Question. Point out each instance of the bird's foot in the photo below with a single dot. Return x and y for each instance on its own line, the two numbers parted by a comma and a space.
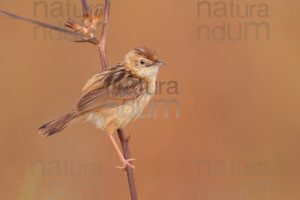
127, 163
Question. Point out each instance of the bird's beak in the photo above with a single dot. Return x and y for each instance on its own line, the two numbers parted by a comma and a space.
159, 63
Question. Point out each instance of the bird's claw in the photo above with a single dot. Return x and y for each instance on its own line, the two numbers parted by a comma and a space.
127, 163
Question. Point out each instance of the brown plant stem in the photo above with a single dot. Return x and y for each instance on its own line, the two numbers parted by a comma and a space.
122, 136
124, 140
102, 43
49, 26
85, 7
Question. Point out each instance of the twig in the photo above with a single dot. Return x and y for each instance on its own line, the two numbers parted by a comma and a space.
130, 174
122, 137
49, 26
85, 8
102, 44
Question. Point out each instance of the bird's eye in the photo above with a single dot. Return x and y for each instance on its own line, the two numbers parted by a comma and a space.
142, 62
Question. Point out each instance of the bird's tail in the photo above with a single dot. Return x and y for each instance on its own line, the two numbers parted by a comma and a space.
58, 124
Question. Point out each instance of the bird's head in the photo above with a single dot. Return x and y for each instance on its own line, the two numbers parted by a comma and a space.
143, 62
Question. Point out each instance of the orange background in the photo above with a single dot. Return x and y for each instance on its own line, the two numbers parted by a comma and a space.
239, 102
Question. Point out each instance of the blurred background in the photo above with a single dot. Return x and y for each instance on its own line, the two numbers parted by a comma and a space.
224, 124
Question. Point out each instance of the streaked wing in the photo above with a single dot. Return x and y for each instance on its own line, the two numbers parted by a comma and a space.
110, 89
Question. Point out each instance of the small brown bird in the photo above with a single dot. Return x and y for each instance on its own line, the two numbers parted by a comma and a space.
114, 97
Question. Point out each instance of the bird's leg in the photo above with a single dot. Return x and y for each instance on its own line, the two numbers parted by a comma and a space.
124, 162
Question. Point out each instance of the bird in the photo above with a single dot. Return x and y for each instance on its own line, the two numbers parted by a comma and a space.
114, 97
